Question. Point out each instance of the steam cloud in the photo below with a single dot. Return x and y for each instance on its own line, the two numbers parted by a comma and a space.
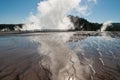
52, 14
106, 25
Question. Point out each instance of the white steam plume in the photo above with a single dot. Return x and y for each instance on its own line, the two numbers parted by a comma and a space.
106, 25
52, 14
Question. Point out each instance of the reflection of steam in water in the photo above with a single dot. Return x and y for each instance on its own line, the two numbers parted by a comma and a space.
52, 56
82, 60
61, 60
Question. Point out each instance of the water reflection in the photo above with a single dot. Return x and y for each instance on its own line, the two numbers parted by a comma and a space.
103, 52
59, 56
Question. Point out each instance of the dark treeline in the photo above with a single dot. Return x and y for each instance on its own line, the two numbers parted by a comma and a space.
83, 24
114, 27
80, 24
10, 27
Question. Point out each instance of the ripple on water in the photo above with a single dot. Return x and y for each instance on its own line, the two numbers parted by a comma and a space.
104, 54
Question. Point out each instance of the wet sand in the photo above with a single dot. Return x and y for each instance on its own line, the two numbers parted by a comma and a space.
45, 56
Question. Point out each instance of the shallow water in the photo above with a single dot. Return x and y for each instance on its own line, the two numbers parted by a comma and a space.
103, 54
60, 56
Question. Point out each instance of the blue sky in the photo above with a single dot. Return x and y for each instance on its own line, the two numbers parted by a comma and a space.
16, 11
105, 10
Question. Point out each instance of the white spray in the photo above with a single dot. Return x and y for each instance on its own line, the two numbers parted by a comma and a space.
106, 25
52, 14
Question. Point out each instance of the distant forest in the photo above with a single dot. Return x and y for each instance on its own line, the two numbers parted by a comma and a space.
10, 27
80, 24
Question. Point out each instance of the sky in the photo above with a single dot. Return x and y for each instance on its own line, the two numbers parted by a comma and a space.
17, 11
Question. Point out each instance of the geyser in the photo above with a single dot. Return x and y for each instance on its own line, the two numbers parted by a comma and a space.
106, 25
52, 14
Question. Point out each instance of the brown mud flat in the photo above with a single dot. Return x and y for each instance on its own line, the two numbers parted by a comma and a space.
21, 60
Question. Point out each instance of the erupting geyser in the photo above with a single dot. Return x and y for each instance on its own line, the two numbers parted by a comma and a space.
106, 25
52, 14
